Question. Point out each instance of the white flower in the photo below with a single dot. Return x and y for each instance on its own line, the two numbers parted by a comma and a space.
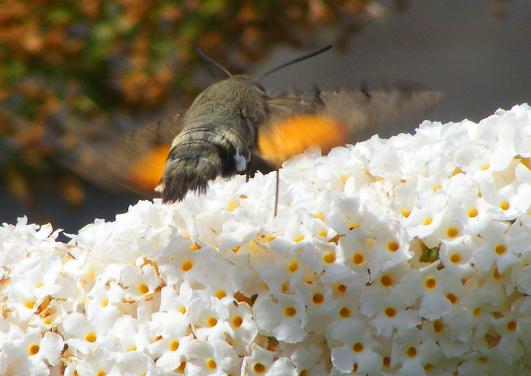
33, 280
320, 305
243, 326
414, 354
30, 352
480, 304
138, 282
280, 268
183, 259
98, 361
456, 255
388, 312
502, 245
103, 302
357, 350
406, 256
134, 363
433, 286
126, 335
213, 358
167, 334
308, 359
349, 215
258, 362
80, 334
282, 316
389, 249
209, 318
426, 218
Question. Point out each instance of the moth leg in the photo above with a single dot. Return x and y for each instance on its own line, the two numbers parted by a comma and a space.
277, 183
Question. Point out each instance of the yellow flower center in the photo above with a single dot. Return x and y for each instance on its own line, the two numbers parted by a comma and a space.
341, 288
504, 205
91, 337
329, 257
393, 246
211, 364
220, 294
33, 349
232, 204
386, 280
511, 326
290, 311
455, 258
259, 368
452, 232
344, 312
500, 249
187, 266
430, 282
237, 321
358, 258
195, 247
318, 298
411, 352
293, 266
354, 226
104, 302
211, 321
438, 326
390, 312
173, 345
142, 288
451, 297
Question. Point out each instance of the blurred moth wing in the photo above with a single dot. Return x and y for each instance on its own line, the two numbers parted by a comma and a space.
283, 124
331, 118
132, 161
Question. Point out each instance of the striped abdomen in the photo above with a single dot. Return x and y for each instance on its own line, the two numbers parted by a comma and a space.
202, 153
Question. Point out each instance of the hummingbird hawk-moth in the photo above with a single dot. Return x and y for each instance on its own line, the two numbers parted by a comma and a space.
235, 126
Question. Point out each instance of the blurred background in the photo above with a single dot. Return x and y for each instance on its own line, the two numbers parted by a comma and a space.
73, 73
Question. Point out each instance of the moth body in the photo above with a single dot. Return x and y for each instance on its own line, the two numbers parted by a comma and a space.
218, 136
234, 126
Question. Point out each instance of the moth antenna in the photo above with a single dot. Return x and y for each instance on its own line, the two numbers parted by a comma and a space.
296, 60
210, 60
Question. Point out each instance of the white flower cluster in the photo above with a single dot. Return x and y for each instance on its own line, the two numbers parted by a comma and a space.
407, 256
